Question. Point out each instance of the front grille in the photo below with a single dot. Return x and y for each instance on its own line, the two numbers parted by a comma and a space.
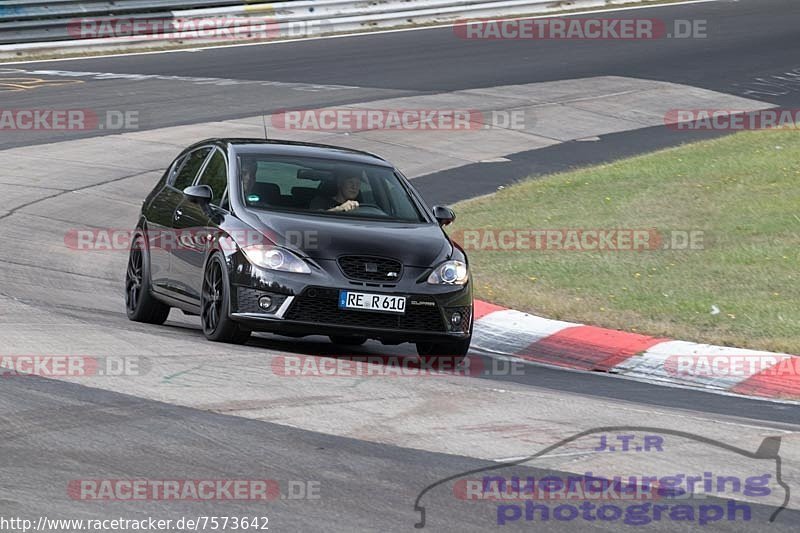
366, 268
320, 305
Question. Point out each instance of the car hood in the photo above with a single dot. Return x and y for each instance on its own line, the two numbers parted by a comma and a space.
321, 237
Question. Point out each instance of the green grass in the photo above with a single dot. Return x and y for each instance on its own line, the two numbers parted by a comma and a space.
742, 191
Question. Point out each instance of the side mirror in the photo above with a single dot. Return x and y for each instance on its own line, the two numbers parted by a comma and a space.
201, 194
443, 214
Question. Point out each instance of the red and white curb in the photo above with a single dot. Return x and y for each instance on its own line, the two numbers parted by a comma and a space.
511, 333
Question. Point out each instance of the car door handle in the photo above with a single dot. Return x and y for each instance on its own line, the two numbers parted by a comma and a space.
178, 214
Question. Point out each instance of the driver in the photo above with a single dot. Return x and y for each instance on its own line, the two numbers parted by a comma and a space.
348, 182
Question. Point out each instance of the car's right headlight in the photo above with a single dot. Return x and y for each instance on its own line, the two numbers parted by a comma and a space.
449, 273
275, 258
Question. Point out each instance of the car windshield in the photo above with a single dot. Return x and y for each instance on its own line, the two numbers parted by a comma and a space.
325, 187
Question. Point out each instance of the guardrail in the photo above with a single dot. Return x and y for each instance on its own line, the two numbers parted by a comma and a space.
62, 25
36, 9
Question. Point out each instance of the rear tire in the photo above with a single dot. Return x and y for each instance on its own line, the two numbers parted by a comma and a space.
140, 305
215, 303
438, 352
355, 340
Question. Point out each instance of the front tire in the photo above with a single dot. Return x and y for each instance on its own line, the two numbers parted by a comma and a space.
140, 305
215, 301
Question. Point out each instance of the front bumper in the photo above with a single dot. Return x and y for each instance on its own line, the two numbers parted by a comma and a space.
307, 304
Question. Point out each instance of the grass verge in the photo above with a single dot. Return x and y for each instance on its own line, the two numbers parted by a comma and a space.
741, 289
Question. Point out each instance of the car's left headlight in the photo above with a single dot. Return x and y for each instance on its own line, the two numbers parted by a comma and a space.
275, 258
449, 273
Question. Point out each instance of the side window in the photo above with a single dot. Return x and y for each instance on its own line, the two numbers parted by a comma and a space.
399, 202
175, 167
191, 167
216, 176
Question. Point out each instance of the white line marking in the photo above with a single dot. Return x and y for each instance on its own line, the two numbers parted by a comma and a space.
308, 87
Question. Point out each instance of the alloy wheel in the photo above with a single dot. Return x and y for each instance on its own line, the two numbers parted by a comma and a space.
212, 298
133, 278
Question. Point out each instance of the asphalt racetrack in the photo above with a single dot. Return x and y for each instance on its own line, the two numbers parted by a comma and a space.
361, 449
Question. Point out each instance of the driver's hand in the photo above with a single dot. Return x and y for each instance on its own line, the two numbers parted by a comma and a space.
349, 205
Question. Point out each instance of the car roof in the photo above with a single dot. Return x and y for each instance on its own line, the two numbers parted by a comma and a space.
297, 148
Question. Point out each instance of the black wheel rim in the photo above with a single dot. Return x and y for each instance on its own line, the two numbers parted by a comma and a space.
212, 298
133, 277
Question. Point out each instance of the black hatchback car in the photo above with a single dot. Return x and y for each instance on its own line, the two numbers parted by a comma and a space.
299, 239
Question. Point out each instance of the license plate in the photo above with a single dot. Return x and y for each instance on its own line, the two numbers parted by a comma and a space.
372, 302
